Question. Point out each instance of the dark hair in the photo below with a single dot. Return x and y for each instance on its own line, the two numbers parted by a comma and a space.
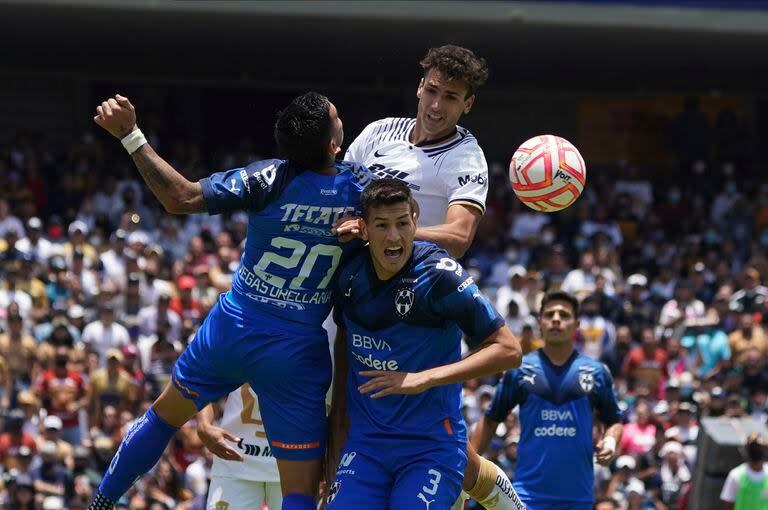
559, 295
303, 129
385, 191
457, 63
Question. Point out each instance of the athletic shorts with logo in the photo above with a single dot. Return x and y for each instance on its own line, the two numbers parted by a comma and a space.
398, 473
288, 366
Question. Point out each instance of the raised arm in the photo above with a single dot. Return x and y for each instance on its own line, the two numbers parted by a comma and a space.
177, 194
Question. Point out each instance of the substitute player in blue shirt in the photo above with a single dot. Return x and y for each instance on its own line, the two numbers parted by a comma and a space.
401, 307
557, 390
267, 330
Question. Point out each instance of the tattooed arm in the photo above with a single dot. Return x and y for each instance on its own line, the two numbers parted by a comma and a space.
177, 194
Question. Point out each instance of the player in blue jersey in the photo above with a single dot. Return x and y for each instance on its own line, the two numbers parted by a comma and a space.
401, 307
267, 330
446, 170
557, 390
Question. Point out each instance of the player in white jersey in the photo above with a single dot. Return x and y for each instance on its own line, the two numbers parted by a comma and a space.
244, 474
446, 170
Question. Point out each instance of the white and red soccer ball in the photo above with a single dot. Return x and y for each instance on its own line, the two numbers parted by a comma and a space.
547, 173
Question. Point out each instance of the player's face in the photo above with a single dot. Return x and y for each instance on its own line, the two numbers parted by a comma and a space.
337, 130
441, 103
390, 230
557, 322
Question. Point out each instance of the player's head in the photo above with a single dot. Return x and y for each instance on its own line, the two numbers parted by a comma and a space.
309, 131
452, 75
389, 226
558, 317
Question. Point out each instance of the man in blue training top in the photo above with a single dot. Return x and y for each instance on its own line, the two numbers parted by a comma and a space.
557, 390
267, 330
401, 308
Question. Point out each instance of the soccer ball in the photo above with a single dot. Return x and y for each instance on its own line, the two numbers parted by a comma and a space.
547, 173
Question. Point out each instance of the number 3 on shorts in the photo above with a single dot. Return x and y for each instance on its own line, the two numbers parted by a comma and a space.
433, 482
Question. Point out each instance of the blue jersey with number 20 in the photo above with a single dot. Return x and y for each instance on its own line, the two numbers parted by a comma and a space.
290, 255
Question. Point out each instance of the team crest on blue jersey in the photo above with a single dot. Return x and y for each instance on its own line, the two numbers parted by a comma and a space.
404, 301
586, 381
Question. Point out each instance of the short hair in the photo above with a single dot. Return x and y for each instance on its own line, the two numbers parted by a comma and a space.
387, 191
303, 130
457, 63
559, 295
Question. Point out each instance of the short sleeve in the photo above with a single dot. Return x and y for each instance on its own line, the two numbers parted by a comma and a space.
466, 175
457, 298
730, 487
359, 148
251, 188
506, 397
607, 405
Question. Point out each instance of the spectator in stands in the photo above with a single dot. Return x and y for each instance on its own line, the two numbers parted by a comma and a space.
35, 244
110, 386
646, 365
752, 296
51, 432
8, 221
50, 476
596, 334
13, 439
748, 336
63, 393
10, 290
581, 281
639, 436
683, 307
614, 357
149, 316
18, 349
513, 290
105, 333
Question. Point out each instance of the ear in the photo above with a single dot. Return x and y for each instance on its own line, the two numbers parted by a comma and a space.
420, 88
468, 104
333, 148
363, 230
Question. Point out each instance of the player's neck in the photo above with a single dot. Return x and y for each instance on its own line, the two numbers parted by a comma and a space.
327, 170
420, 138
558, 353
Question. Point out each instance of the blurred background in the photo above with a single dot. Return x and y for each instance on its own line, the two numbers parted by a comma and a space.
101, 290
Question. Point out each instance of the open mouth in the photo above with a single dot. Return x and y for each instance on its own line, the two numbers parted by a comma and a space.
393, 253
434, 118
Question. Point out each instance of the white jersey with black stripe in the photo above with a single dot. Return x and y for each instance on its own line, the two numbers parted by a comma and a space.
444, 172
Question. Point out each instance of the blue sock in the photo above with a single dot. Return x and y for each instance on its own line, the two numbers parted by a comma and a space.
298, 502
140, 450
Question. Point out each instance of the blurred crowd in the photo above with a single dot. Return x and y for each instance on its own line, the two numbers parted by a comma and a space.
101, 291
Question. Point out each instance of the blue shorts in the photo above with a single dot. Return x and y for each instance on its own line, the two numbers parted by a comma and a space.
287, 365
397, 473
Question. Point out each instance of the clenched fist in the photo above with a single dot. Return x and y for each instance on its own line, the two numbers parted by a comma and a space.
117, 115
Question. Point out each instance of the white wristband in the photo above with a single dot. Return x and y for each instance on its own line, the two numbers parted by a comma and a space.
610, 443
133, 141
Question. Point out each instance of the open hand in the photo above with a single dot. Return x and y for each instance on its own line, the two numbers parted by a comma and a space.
117, 115
348, 228
393, 383
215, 439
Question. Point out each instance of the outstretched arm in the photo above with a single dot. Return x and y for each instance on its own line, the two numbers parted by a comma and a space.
177, 194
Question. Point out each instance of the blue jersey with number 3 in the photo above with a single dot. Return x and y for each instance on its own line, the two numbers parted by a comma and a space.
290, 255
